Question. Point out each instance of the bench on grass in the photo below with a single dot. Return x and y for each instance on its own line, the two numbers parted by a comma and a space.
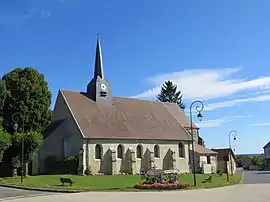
66, 180
209, 179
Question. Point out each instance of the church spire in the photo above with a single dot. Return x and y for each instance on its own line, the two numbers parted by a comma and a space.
98, 62
99, 89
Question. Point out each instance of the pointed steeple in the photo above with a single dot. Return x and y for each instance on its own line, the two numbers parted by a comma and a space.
98, 62
99, 89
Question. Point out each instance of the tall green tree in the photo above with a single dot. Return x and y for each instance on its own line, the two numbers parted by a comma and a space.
3, 94
169, 93
5, 142
28, 102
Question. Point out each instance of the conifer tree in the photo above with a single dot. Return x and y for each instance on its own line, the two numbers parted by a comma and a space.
169, 93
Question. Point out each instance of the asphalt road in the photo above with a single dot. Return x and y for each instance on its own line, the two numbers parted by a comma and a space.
241, 192
9, 193
256, 177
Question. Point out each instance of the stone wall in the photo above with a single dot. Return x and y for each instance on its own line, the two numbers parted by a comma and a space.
130, 163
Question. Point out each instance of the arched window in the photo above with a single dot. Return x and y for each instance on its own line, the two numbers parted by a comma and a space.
98, 151
139, 151
120, 151
181, 150
156, 151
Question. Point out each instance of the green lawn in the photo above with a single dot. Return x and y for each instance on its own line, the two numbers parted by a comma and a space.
110, 182
217, 181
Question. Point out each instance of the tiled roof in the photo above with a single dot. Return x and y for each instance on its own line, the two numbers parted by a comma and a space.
203, 150
181, 116
224, 152
126, 118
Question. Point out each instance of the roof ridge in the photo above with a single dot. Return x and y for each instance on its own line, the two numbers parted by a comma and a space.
267, 145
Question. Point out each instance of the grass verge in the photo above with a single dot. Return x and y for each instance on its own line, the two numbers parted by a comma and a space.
110, 182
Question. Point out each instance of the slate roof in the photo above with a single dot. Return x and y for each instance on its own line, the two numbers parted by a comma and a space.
126, 118
203, 150
267, 145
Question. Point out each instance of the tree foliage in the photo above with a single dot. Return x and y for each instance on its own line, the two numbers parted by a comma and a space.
32, 141
244, 160
258, 161
169, 93
5, 142
3, 94
29, 97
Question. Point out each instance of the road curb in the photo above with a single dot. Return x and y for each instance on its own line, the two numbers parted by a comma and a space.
40, 189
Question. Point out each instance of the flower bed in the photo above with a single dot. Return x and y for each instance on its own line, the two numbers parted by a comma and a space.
162, 186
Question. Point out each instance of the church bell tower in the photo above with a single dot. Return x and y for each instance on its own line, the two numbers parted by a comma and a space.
99, 89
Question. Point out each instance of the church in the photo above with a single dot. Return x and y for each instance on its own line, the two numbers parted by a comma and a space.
115, 135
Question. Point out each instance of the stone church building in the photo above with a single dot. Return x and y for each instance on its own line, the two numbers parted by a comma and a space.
115, 135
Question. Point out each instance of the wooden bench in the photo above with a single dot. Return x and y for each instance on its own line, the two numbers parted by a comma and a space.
66, 180
209, 179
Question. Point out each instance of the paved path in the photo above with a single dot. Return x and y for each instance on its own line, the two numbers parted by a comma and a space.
242, 192
9, 193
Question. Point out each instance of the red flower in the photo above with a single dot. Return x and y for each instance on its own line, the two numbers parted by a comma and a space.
162, 186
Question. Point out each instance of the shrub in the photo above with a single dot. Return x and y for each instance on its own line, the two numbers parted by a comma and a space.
163, 186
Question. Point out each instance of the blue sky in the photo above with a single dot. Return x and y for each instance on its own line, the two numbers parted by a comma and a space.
216, 51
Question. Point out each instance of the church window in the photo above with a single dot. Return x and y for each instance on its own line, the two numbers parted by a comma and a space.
120, 151
98, 151
156, 151
139, 151
181, 150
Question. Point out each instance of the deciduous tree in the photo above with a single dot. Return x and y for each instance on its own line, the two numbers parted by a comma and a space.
29, 97
5, 142
32, 141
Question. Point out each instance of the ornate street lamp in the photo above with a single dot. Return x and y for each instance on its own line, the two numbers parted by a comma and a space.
199, 109
233, 134
15, 117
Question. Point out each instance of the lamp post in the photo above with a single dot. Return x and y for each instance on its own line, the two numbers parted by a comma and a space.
199, 109
15, 117
233, 134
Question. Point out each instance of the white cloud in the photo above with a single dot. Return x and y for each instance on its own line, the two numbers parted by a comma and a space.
231, 103
217, 122
261, 124
205, 84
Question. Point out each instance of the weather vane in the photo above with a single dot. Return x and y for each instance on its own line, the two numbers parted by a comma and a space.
98, 35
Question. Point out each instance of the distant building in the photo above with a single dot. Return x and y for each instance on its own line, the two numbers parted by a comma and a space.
266, 149
226, 160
